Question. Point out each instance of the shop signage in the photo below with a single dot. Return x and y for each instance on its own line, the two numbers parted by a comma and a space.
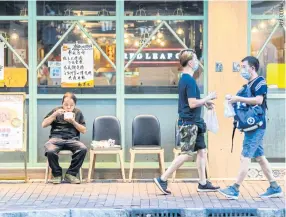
11, 118
77, 65
153, 55
1, 61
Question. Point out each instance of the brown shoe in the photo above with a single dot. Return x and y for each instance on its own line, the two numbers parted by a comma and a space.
71, 179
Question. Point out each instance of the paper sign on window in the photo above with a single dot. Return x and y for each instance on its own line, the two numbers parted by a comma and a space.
11, 121
77, 65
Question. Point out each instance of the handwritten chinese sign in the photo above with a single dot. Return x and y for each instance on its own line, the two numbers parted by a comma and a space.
77, 65
11, 121
1, 61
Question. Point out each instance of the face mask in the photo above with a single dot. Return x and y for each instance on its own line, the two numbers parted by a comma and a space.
196, 65
245, 74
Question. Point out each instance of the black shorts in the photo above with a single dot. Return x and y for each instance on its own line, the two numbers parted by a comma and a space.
200, 142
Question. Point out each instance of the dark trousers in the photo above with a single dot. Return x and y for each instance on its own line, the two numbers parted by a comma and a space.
52, 148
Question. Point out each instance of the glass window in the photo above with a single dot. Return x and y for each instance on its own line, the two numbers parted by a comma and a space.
272, 55
49, 71
74, 8
14, 8
267, 7
163, 8
15, 76
156, 68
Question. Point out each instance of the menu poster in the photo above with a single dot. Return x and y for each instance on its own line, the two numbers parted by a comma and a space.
77, 65
1, 61
11, 121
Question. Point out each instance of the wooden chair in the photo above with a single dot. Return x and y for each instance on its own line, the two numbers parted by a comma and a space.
49, 170
104, 128
146, 139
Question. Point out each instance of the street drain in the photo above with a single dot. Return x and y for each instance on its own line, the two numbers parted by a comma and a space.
156, 213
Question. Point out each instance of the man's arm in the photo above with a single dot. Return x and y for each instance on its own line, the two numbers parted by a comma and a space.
48, 121
258, 100
51, 117
79, 127
195, 103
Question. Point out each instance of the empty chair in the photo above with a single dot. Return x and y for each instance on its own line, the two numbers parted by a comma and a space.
105, 128
146, 139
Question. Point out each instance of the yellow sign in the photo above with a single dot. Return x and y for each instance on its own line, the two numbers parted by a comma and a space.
14, 77
275, 75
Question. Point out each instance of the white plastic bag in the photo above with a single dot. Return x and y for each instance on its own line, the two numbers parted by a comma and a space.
228, 110
211, 120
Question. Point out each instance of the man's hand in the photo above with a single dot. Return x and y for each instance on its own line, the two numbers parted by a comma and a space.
70, 120
209, 105
211, 96
58, 113
233, 99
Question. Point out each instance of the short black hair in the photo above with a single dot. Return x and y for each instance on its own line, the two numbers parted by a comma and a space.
70, 95
252, 62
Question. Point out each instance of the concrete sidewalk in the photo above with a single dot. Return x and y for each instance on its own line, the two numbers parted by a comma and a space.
138, 194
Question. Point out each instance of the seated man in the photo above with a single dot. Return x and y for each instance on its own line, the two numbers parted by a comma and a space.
67, 122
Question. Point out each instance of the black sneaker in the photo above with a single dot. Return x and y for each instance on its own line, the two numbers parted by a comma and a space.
162, 185
207, 187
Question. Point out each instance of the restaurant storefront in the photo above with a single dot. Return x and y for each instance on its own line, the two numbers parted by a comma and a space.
134, 67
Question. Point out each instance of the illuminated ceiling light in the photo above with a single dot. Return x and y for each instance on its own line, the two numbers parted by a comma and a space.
273, 21
154, 38
14, 35
160, 35
254, 29
126, 41
125, 35
136, 43
125, 26
180, 31
262, 25
158, 40
81, 21
162, 43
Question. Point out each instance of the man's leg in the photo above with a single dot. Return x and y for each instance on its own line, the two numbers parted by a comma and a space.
161, 182
79, 152
244, 165
201, 165
200, 147
265, 166
251, 143
176, 164
52, 148
274, 190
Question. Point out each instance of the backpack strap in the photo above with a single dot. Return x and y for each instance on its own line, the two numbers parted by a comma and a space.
233, 132
264, 103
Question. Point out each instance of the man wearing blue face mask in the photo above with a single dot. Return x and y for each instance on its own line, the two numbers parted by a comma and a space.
189, 108
253, 140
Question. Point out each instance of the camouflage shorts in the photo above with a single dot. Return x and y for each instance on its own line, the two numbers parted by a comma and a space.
187, 136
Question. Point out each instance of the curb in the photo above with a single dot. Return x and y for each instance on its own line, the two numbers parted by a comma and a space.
192, 212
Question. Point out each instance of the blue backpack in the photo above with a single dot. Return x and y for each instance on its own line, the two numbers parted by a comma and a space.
247, 117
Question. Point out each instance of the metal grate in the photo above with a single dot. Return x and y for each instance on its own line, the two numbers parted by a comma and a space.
231, 212
156, 213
